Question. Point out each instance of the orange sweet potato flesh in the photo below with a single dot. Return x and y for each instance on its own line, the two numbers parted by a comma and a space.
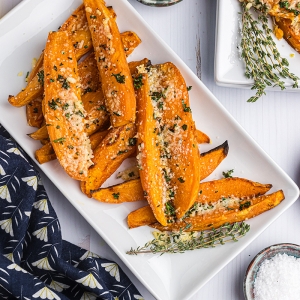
120, 193
40, 134
46, 153
63, 109
34, 113
96, 113
236, 212
290, 31
247, 209
89, 74
211, 159
117, 145
201, 137
134, 190
130, 41
113, 68
179, 134
149, 154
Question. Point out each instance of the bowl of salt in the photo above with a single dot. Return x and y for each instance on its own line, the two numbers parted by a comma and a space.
274, 274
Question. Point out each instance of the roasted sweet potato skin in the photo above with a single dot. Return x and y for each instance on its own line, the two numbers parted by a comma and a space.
63, 109
114, 72
118, 144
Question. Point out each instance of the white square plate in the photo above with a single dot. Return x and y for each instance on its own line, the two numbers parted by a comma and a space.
229, 67
23, 33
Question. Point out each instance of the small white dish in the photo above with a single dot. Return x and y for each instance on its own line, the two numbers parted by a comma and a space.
172, 276
265, 254
229, 67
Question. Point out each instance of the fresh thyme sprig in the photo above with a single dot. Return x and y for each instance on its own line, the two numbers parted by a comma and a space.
179, 242
260, 54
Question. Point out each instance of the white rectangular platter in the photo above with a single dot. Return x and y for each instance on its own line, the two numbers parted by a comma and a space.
169, 277
229, 67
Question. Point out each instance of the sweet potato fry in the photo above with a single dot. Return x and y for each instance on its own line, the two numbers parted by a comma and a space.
117, 145
40, 134
208, 217
34, 113
130, 41
63, 109
114, 72
211, 159
96, 113
149, 161
120, 193
247, 209
46, 153
201, 137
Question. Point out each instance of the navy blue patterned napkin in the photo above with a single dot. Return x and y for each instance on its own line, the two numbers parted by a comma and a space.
35, 263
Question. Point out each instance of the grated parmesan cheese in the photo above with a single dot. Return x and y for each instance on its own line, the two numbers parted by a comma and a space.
278, 279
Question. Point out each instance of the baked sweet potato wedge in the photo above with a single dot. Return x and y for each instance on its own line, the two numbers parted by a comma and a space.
114, 72
245, 210
96, 113
40, 134
34, 113
118, 144
201, 137
128, 191
149, 154
202, 217
63, 109
46, 153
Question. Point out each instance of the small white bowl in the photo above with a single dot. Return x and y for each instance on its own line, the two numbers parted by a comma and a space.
267, 253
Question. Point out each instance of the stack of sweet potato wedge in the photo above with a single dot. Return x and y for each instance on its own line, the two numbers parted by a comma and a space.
93, 110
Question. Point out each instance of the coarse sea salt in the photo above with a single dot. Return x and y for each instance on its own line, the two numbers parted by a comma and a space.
278, 278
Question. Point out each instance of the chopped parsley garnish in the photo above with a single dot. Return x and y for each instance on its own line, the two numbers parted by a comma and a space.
79, 113
132, 141
157, 95
64, 82
138, 81
75, 45
65, 106
85, 46
70, 58
116, 195
180, 179
120, 78
87, 90
169, 209
116, 113
189, 88
60, 140
55, 68
27, 74
184, 127
40, 75
185, 108
57, 127
228, 174
131, 174
70, 147
284, 4
102, 107
52, 80
52, 104
145, 193
245, 205
93, 17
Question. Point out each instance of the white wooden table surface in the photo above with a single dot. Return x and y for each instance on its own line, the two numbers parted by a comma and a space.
274, 122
